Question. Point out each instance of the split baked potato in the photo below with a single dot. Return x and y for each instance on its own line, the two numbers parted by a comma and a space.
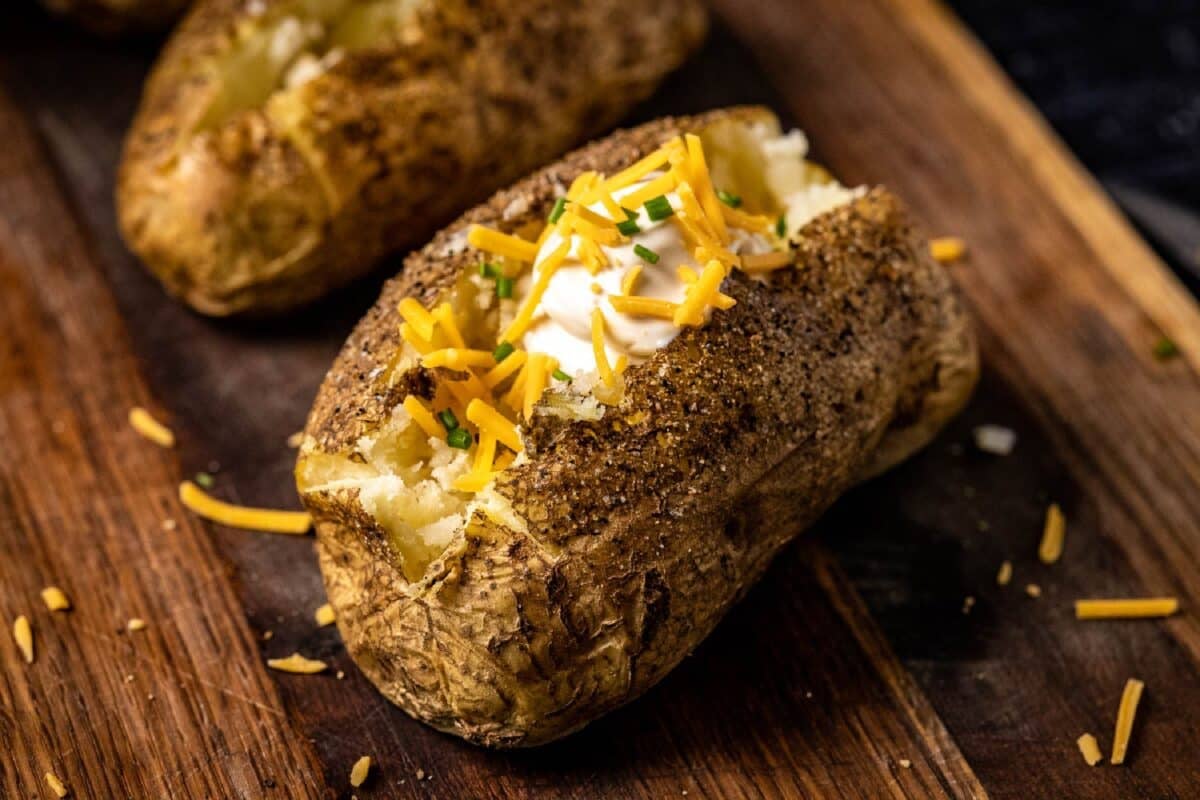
580, 537
282, 147
119, 16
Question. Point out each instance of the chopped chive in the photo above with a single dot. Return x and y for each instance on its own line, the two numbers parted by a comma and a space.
729, 198
646, 254
503, 351
1164, 349
448, 419
460, 438
560, 205
504, 287
204, 480
629, 214
559, 375
781, 226
659, 208
628, 227
487, 270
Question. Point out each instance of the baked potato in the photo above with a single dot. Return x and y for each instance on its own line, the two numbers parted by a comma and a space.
282, 147
513, 549
119, 16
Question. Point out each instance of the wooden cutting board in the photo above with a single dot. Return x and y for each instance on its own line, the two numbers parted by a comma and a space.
852, 671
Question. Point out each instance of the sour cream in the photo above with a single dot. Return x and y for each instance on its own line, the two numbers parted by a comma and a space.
562, 325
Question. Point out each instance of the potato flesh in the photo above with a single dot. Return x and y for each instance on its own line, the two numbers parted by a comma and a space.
400, 489
272, 53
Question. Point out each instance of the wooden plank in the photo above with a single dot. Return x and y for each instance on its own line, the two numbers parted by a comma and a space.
185, 707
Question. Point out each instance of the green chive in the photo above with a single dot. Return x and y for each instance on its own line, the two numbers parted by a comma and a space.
1165, 349
504, 287
460, 438
448, 419
659, 208
488, 270
560, 205
205, 480
502, 351
781, 226
559, 375
729, 198
628, 227
629, 214
645, 253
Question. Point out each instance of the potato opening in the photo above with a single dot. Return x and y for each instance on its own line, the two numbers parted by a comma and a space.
404, 479
293, 43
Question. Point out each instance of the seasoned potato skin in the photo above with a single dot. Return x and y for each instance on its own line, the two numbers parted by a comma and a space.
119, 16
397, 138
641, 532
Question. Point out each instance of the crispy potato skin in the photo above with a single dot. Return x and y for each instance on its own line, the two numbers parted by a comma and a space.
641, 534
396, 140
111, 17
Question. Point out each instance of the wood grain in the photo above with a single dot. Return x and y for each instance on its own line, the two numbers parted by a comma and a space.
852, 655
184, 707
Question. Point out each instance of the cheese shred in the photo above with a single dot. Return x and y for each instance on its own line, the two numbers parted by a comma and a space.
255, 519
947, 249
1053, 533
298, 664
23, 634
1089, 749
56, 599
324, 615
150, 428
1137, 608
359, 772
1125, 716
56, 785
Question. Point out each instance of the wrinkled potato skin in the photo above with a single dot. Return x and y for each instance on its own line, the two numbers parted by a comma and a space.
110, 17
235, 219
642, 534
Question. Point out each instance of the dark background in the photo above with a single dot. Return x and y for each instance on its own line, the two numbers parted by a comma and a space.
1120, 82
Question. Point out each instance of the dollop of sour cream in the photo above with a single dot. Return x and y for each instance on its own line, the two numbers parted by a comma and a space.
562, 324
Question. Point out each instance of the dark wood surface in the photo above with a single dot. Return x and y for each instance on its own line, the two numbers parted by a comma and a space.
853, 656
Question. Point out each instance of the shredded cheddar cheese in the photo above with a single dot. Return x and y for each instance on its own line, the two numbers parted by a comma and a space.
947, 249
535, 382
1125, 716
598, 350
324, 615
297, 664
492, 421
700, 295
56, 599
359, 772
497, 374
501, 244
23, 634
150, 428
422, 416
420, 320
630, 278
56, 785
639, 170
644, 306
458, 359
444, 315
1089, 749
520, 324
256, 519
1140, 608
765, 262
1053, 534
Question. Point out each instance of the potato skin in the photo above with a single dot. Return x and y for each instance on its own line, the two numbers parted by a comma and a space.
111, 17
398, 139
640, 533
